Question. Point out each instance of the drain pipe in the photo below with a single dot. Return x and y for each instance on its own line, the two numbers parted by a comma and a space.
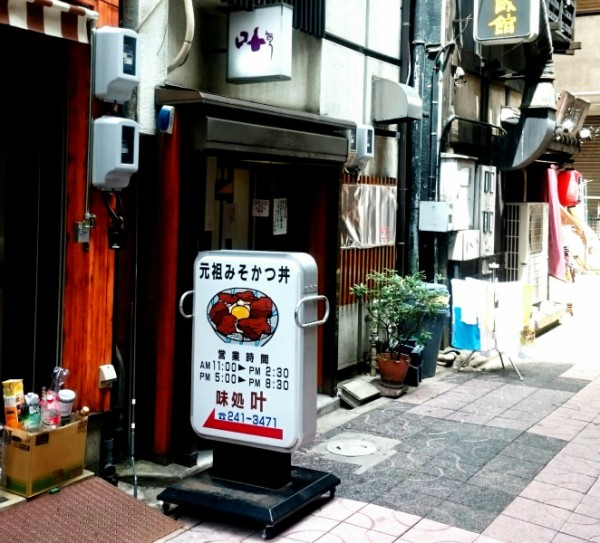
415, 164
403, 169
421, 19
434, 141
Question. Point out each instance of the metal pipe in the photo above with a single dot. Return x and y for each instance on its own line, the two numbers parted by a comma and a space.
403, 169
181, 56
434, 141
416, 162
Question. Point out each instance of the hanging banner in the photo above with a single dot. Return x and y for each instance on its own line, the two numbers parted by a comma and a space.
368, 215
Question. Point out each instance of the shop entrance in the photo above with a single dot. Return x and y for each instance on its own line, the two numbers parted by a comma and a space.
267, 206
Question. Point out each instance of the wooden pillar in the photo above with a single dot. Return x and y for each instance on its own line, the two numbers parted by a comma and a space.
167, 238
89, 267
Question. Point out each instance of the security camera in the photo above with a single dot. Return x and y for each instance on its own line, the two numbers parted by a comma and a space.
459, 77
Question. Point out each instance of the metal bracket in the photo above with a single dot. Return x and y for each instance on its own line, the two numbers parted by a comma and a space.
81, 231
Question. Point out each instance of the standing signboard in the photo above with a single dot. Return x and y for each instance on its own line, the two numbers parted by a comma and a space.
254, 385
254, 339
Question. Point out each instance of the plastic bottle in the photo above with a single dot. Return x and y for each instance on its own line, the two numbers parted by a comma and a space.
34, 417
50, 411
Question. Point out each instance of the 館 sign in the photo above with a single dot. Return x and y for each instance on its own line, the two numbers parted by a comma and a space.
254, 348
498, 22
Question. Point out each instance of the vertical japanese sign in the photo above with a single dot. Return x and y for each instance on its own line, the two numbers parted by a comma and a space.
498, 22
254, 365
260, 44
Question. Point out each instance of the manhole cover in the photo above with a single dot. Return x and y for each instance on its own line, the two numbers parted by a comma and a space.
351, 447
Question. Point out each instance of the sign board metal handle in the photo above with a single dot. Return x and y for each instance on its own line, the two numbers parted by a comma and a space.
310, 299
181, 300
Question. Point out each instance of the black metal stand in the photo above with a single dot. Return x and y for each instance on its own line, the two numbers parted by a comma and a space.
464, 362
255, 485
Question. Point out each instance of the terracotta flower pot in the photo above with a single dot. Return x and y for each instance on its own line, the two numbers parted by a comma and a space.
393, 368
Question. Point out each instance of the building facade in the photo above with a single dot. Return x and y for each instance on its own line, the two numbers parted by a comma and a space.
390, 110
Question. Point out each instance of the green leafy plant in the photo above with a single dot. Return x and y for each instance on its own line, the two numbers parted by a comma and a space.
400, 306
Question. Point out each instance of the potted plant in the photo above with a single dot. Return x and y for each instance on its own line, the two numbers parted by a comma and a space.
401, 308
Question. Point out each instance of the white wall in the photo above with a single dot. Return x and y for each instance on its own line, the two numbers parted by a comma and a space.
579, 73
347, 75
152, 59
326, 78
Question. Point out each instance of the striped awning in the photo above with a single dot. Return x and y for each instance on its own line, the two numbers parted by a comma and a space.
49, 17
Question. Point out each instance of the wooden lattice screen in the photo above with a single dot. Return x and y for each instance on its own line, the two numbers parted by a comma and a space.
355, 263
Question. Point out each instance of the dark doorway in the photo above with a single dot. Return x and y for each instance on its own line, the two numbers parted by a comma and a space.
32, 179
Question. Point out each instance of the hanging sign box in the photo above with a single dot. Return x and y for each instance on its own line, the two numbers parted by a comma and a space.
259, 46
254, 348
499, 22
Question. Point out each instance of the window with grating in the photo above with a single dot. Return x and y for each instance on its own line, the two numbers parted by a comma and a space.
309, 15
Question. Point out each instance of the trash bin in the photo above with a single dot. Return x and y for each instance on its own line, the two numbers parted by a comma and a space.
436, 327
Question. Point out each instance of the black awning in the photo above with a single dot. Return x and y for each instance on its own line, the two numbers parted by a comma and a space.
230, 124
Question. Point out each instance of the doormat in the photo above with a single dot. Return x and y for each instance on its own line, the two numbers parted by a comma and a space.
87, 511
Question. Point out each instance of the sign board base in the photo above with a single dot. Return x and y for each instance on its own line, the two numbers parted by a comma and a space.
266, 507
269, 469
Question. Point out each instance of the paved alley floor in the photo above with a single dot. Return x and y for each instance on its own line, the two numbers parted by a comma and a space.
475, 455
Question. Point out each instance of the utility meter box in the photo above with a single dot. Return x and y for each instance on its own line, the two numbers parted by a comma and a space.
457, 186
115, 152
254, 379
436, 216
361, 147
463, 245
486, 177
116, 72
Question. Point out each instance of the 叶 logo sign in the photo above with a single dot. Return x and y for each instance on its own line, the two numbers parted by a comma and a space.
260, 44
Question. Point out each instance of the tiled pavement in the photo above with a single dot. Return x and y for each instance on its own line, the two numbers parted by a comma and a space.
468, 456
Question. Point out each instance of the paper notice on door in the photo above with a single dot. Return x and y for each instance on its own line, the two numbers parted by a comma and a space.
280, 216
260, 208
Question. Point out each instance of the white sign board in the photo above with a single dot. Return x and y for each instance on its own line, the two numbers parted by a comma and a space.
260, 44
254, 348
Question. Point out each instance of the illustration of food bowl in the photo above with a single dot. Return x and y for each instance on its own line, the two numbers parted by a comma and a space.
242, 316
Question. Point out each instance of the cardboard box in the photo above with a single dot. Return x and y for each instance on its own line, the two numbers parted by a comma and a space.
34, 463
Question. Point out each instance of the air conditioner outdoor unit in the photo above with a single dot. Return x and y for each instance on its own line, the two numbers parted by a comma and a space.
526, 246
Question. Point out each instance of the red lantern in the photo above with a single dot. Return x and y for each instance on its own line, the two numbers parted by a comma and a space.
569, 188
